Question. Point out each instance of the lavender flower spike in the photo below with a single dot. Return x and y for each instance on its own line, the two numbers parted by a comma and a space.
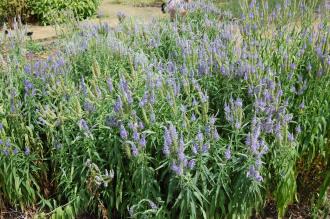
123, 132
228, 153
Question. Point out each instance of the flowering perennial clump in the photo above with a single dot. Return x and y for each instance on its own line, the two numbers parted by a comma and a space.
203, 117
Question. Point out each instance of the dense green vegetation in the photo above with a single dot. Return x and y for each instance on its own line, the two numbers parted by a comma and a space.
235, 6
202, 117
46, 11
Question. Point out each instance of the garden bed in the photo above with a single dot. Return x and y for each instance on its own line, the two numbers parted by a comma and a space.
193, 118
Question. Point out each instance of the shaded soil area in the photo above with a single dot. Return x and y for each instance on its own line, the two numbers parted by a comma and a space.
308, 184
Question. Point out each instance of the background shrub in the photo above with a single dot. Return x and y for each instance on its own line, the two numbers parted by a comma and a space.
48, 11
9, 9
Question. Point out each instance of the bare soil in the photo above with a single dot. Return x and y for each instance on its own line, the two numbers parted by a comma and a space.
108, 12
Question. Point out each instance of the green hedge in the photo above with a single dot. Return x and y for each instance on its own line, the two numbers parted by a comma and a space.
46, 11
11, 8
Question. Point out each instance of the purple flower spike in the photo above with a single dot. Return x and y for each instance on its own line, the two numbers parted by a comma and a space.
181, 156
194, 102
177, 169
298, 129
290, 137
228, 153
83, 125
110, 86
278, 132
254, 174
212, 120
89, 107
118, 105
200, 136
152, 117
123, 132
258, 177
27, 151
302, 105
141, 125
135, 151
238, 103
193, 117
167, 137
205, 148
5, 152
144, 99
195, 148
29, 88
136, 135
309, 67
204, 98
237, 125
191, 164
143, 141
216, 135
173, 133
15, 151
83, 87
8, 143
207, 130
166, 149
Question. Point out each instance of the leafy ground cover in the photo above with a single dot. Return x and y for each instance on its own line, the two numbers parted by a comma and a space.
203, 117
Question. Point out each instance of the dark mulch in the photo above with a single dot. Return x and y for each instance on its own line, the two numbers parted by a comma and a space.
299, 211
270, 210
